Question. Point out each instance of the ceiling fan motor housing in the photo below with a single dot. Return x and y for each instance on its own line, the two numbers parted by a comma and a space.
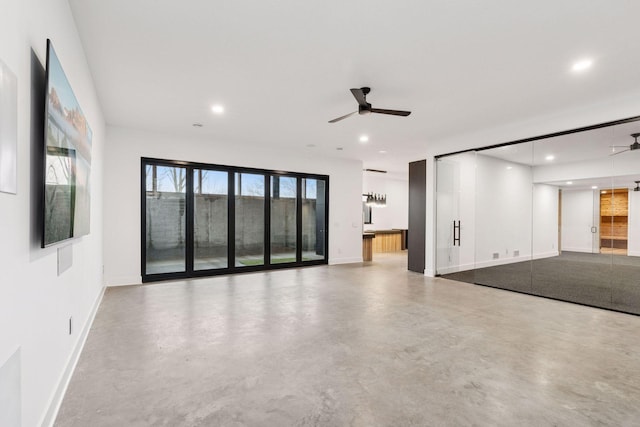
362, 109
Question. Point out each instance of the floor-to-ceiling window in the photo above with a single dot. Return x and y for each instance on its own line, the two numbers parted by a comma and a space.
211, 218
556, 216
314, 209
165, 225
249, 219
283, 219
200, 219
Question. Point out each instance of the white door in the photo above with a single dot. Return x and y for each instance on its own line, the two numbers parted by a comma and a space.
580, 221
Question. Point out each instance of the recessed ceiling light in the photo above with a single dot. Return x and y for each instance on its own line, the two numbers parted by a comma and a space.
594, 187
382, 151
311, 145
339, 148
550, 157
509, 167
197, 125
569, 182
217, 109
364, 138
582, 65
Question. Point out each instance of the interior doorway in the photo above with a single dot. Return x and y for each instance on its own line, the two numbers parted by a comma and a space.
614, 221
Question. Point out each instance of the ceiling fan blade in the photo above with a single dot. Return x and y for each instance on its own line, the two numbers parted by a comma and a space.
359, 95
619, 152
342, 118
618, 146
392, 112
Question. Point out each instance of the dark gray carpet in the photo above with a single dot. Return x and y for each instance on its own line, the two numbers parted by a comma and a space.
601, 280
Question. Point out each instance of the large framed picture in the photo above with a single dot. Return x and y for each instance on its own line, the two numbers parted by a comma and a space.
67, 159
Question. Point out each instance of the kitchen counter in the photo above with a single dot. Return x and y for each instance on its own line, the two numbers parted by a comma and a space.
388, 240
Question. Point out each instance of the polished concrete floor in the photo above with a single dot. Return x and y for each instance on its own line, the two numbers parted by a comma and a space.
354, 345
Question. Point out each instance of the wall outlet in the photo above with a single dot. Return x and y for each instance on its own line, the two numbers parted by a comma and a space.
496, 255
516, 253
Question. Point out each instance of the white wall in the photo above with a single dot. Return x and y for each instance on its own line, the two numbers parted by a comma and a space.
36, 303
545, 220
500, 210
503, 211
396, 214
122, 191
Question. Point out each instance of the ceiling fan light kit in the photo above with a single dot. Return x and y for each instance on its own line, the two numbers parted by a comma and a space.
365, 108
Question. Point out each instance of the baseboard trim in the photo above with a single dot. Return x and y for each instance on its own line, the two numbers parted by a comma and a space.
124, 281
63, 382
546, 255
581, 250
337, 261
496, 262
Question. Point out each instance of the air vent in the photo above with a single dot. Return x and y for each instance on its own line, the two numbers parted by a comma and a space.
496, 255
374, 170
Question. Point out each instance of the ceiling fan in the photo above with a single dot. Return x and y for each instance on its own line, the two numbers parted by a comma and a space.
634, 146
365, 108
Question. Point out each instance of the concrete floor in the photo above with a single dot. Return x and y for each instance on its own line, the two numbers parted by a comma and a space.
351, 345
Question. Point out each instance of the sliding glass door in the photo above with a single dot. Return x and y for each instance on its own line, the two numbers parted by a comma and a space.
249, 219
165, 220
314, 207
201, 219
557, 217
283, 219
211, 219
455, 215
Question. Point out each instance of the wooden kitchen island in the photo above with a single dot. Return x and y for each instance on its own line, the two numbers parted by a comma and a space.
382, 241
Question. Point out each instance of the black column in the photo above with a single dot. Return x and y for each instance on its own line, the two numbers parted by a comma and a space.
417, 215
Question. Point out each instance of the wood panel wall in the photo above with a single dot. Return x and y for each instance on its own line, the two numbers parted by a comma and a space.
614, 218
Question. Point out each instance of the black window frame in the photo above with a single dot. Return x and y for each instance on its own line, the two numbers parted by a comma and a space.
190, 272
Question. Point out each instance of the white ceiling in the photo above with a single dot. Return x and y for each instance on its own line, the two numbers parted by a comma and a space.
604, 150
606, 142
284, 68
